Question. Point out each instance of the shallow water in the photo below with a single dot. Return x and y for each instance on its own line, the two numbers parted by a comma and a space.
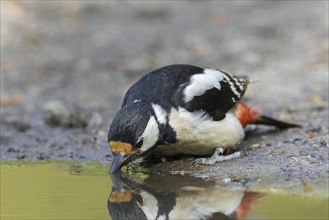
75, 190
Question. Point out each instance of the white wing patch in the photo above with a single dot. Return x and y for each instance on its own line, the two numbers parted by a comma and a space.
200, 83
150, 134
160, 113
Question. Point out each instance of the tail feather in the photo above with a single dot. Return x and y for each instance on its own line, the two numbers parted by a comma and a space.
265, 120
251, 115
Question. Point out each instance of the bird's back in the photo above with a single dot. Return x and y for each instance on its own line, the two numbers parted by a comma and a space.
189, 87
159, 86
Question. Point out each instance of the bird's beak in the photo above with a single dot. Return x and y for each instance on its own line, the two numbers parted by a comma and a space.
121, 154
118, 161
117, 183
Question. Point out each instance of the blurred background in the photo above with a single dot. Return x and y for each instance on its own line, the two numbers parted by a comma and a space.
66, 65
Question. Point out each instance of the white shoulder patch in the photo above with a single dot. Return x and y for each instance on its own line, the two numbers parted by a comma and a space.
200, 83
150, 134
160, 113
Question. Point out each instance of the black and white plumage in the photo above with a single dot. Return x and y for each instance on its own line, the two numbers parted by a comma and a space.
189, 198
177, 109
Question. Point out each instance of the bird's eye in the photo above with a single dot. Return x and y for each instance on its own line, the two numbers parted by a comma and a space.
139, 143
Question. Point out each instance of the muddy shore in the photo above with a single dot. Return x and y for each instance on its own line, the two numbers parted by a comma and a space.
65, 67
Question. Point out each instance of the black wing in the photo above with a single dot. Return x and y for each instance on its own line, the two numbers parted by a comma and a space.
215, 100
161, 85
167, 86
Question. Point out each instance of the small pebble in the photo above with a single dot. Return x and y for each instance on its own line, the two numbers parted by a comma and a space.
255, 145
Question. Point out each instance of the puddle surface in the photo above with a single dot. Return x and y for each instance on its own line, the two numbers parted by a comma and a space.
67, 190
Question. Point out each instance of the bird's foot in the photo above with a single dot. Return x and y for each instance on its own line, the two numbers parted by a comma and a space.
217, 157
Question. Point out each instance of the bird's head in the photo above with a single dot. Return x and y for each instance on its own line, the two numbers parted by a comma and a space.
134, 130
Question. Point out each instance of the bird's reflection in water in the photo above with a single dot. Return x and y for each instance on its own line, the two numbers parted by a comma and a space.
176, 197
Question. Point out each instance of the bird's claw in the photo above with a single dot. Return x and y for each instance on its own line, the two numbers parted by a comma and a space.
216, 157
203, 161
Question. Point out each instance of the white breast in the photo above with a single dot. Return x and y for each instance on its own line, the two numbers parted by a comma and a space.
197, 134
202, 203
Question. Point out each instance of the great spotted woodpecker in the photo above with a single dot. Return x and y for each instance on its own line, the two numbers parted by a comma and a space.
156, 197
182, 109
